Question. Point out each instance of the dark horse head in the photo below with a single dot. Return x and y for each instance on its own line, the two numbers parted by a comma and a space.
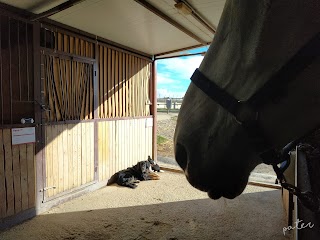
253, 41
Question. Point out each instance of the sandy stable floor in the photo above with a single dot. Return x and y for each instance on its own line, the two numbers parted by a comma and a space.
165, 209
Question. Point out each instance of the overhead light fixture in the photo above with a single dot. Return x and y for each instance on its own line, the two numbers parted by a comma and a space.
183, 8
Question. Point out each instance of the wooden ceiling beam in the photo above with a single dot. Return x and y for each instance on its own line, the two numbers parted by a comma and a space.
180, 50
182, 55
165, 17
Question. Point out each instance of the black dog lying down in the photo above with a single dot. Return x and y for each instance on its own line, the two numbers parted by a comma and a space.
132, 175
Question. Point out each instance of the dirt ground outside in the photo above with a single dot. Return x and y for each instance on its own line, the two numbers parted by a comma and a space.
168, 208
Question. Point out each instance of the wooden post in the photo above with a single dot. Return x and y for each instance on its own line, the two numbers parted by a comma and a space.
153, 86
38, 96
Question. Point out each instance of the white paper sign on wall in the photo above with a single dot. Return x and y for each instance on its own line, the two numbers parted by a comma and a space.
23, 135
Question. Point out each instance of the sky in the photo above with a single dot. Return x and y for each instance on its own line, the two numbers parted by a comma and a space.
173, 74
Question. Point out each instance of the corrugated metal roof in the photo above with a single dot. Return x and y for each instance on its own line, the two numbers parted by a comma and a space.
129, 23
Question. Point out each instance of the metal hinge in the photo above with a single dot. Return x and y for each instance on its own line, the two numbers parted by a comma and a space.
47, 188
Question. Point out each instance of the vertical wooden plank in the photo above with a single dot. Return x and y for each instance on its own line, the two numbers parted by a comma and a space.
52, 167
105, 87
125, 142
129, 140
129, 80
133, 86
70, 133
8, 171
120, 86
133, 142
116, 83
16, 178
79, 152
82, 47
124, 81
60, 42
115, 162
64, 139
92, 154
138, 86
126, 84
107, 149
48, 153
83, 154
101, 83
111, 149
59, 161
118, 126
31, 175
88, 153
113, 62
52, 161
3, 195
142, 90
119, 134
71, 46
24, 176
65, 43
100, 164
104, 147
87, 50
109, 83
111, 141
77, 46
73, 135
56, 161
102, 150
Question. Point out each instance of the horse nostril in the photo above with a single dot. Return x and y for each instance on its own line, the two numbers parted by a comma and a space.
181, 156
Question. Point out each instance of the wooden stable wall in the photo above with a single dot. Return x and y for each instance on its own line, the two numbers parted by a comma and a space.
97, 112
69, 157
91, 104
17, 176
123, 143
17, 162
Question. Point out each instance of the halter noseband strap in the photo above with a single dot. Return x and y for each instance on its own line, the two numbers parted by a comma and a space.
247, 113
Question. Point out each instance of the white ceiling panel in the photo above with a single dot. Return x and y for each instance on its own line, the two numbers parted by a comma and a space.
128, 23
125, 22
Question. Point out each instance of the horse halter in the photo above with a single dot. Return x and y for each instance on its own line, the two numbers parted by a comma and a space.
247, 112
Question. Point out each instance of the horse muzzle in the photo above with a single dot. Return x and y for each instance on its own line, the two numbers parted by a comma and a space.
206, 178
